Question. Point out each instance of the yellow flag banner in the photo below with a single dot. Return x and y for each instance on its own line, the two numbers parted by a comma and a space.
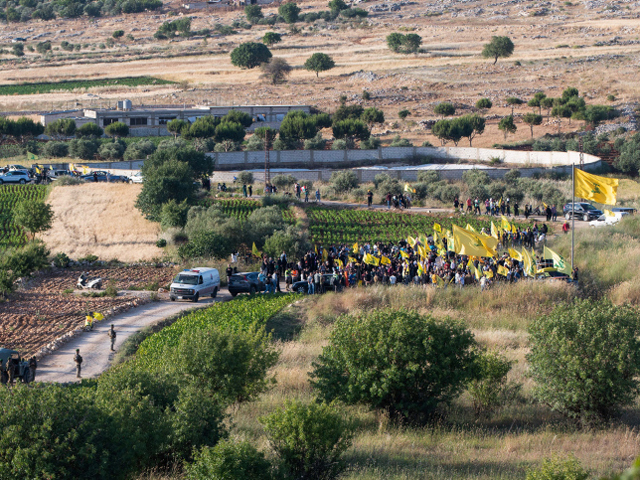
72, 167
513, 228
491, 242
339, 262
437, 227
470, 243
325, 254
494, 231
355, 247
404, 254
412, 241
440, 281
502, 270
609, 213
529, 264
98, 316
407, 188
470, 228
385, 260
505, 224
255, 251
352, 260
558, 261
489, 274
515, 254
371, 260
595, 188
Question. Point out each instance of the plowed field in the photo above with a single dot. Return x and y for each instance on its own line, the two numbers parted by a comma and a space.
41, 313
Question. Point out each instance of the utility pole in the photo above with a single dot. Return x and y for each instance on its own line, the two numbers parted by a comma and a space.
267, 166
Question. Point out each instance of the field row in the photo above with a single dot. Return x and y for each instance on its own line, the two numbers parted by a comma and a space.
37, 88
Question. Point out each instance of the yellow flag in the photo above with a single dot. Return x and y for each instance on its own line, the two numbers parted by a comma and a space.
404, 254
325, 254
505, 224
502, 271
316, 246
609, 213
352, 260
470, 243
598, 189
513, 228
422, 251
494, 231
558, 261
529, 264
544, 205
515, 255
385, 260
371, 260
489, 274
339, 262
437, 227
420, 269
470, 228
411, 241
98, 316
440, 281
407, 188
255, 250
491, 242
355, 247
72, 167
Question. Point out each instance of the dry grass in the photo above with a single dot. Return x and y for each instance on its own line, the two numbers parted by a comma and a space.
100, 219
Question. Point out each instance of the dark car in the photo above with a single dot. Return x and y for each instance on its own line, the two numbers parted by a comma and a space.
102, 177
582, 210
327, 283
245, 282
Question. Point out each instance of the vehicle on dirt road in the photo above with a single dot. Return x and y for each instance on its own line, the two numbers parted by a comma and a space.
191, 284
102, 177
583, 211
15, 176
87, 283
328, 281
245, 282
12, 358
136, 178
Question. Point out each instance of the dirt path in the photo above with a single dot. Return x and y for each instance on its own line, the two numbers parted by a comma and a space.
95, 346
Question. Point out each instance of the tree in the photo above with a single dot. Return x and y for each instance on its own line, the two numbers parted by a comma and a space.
470, 126
498, 47
254, 13
118, 34
484, 104
585, 359
561, 111
90, 130
271, 38
245, 178
569, 93
445, 109
536, 101
319, 62
177, 126
351, 129
547, 102
344, 180
250, 55
594, 114
337, 5
513, 101
400, 43
34, 216
404, 113
289, 11
232, 131
372, 115
61, 128
117, 129
310, 440
18, 50
297, 126
532, 119
507, 125
395, 360
237, 116
344, 112
276, 70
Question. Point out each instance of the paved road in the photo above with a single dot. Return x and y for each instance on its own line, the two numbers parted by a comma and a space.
95, 345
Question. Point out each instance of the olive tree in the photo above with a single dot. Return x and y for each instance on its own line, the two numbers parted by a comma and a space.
319, 62
498, 47
532, 119
250, 55
444, 109
507, 125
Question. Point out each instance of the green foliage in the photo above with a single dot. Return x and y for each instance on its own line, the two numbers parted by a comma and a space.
370, 143
117, 129
112, 150
61, 260
366, 95
204, 245
83, 148
447, 130
170, 28
230, 131
350, 112
245, 178
399, 43
229, 461
22, 262
404, 114
395, 360
289, 12
532, 119
63, 127
55, 149
629, 159
585, 359
315, 143
372, 115
89, 129
43, 47
344, 180
203, 127
400, 142
428, 176
498, 47
283, 181
174, 214
351, 129
445, 109
556, 468
251, 54
271, 38
254, 14
139, 150
291, 240
118, 34
297, 126
484, 103
507, 125
34, 216
490, 389
276, 70
40, 88
319, 62
594, 114
177, 126
337, 5
309, 440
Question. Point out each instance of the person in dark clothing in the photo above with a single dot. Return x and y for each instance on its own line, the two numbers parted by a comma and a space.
95, 177
112, 337
33, 364
369, 198
229, 272
77, 358
250, 190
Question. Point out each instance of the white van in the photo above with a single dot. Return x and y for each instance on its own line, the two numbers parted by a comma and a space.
195, 283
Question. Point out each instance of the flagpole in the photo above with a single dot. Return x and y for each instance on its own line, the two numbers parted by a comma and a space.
573, 206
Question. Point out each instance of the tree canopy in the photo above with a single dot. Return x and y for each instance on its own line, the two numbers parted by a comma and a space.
250, 55
498, 47
319, 62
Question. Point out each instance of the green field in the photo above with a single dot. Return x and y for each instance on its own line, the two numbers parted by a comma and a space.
36, 88
12, 235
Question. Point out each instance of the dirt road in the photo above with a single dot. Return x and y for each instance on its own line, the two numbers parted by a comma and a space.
95, 346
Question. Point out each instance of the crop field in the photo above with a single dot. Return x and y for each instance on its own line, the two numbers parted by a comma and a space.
37, 88
329, 226
241, 208
242, 313
12, 235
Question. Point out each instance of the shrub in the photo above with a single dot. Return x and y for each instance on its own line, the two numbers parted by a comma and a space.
289, 12
271, 38
399, 43
139, 150
254, 13
315, 143
484, 103
22, 262
245, 178
161, 243
292, 241
445, 109
476, 177
250, 55
558, 469
585, 358
111, 150
174, 214
395, 360
34, 216
343, 181
283, 181
490, 388
61, 260
370, 143
89, 130
428, 176
56, 149
309, 440
206, 244
229, 461
118, 34
319, 62
117, 129
400, 142
68, 180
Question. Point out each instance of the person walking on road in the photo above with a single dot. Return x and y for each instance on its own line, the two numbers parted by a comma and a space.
77, 358
33, 364
112, 336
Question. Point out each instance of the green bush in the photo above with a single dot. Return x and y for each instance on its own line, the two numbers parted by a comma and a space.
344, 180
585, 359
34, 216
161, 243
315, 143
61, 260
395, 360
283, 181
206, 244
559, 469
428, 176
229, 461
490, 388
400, 142
111, 150
83, 148
174, 214
56, 149
292, 241
89, 130
245, 178
309, 440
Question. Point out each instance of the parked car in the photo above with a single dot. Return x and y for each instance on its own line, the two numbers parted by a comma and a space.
191, 284
102, 177
303, 287
18, 168
136, 178
604, 220
626, 210
582, 210
245, 282
15, 177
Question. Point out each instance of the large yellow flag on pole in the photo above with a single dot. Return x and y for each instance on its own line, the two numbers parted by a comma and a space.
598, 189
494, 231
505, 224
558, 262
529, 264
470, 243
